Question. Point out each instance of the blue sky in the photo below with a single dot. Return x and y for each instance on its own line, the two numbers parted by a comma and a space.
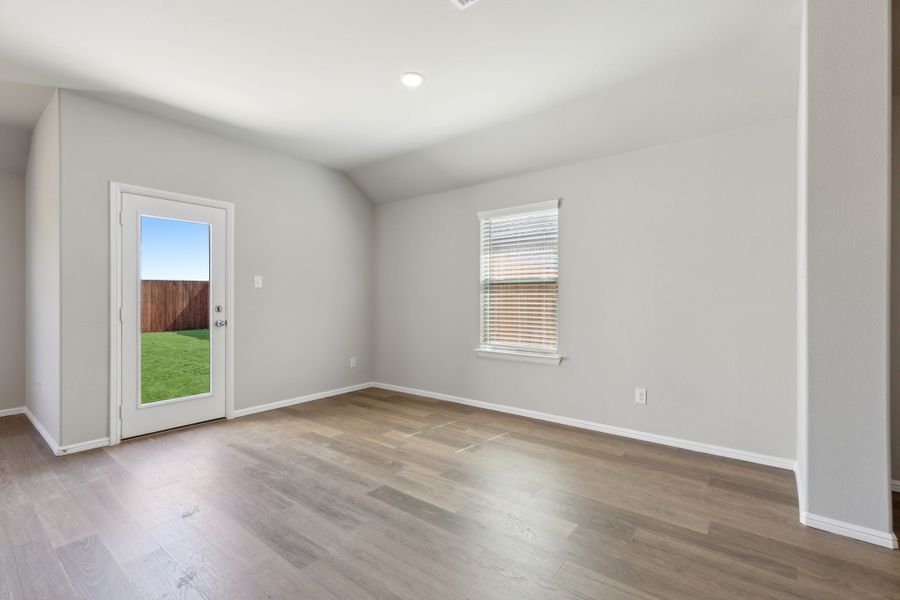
174, 250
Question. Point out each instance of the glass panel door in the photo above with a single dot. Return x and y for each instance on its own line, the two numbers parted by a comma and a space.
173, 313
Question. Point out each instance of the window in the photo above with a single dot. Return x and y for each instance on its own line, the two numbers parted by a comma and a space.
520, 282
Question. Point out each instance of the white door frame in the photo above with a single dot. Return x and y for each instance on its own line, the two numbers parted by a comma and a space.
116, 190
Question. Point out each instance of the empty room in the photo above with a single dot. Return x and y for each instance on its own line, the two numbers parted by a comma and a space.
449, 299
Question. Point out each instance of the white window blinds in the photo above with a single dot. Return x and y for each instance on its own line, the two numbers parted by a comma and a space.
519, 278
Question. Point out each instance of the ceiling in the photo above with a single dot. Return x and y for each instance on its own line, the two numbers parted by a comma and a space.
736, 87
320, 80
20, 107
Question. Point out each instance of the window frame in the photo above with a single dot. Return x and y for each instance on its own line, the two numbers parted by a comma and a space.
516, 353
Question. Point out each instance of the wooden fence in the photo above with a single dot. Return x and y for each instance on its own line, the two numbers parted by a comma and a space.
174, 305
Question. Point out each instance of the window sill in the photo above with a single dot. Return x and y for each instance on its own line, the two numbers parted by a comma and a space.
530, 357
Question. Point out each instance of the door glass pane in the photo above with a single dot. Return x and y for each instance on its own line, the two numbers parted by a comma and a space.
174, 309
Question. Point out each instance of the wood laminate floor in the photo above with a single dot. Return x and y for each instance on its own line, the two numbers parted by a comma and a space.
383, 495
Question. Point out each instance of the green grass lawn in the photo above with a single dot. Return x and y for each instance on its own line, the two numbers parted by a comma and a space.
174, 364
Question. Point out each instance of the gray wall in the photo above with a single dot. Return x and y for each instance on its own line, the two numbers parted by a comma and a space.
677, 274
12, 290
306, 229
14, 142
846, 118
42, 226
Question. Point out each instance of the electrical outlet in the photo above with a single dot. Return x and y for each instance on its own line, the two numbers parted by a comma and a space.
640, 395
352, 362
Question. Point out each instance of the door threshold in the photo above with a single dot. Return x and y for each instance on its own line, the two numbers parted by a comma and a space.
171, 429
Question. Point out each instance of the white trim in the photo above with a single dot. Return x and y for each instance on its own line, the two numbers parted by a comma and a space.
52, 443
116, 190
895, 485
8, 412
54, 446
520, 209
530, 357
115, 302
243, 412
158, 403
886, 539
802, 314
753, 457
82, 446
229, 291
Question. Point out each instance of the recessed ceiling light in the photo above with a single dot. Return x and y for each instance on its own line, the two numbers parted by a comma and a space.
463, 4
412, 80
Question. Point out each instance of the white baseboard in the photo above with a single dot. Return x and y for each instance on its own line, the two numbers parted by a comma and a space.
101, 442
51, 441
8, 412
895, 485
753, 457
68, 448
243, 412
886, 539
82, 446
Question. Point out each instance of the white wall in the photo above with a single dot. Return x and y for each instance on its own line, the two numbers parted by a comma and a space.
306, 229
677, 274
847, 185
42, 315
12, 290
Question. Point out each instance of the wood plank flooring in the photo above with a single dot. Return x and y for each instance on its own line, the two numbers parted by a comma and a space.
377, 494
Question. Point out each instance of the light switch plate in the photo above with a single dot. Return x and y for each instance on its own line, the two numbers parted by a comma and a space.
257, 281
640, 395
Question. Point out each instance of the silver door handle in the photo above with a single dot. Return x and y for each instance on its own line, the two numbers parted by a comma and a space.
221, 323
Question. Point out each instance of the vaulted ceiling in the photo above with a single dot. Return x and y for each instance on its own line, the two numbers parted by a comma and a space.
20, 107
320, 80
